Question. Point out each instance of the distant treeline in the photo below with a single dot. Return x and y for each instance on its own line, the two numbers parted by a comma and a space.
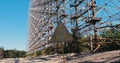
11, 53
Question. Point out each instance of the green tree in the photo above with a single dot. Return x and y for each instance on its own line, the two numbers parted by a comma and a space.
112, 36
14, 53
1, 52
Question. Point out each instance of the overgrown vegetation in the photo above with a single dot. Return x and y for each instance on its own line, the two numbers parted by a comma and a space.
80, 44
112, 38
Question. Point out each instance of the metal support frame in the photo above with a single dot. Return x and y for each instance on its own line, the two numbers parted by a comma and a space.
44, 15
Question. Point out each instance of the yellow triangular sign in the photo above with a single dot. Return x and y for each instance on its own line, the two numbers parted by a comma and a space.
61, 34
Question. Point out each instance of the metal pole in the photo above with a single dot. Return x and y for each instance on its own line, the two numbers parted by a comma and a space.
93, 16
93, 8
62, 47
91, 43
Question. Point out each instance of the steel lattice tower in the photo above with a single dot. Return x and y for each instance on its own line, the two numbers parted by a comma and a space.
43, 17
40, 26
85, 17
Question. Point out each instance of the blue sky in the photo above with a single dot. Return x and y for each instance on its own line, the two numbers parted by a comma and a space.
13, 24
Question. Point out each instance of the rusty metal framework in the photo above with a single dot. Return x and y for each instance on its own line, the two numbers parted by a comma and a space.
85, 17
43, 18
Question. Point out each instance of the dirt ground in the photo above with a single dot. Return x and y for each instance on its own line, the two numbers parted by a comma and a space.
104, 57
